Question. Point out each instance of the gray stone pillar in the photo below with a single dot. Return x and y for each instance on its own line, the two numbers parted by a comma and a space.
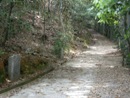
14, 67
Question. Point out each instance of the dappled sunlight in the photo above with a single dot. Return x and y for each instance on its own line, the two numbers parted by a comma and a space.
90, 66
93, 62
84, 66
85, 91
75, 52
107, 84
79, 90
100, 50
94, 39
69, 88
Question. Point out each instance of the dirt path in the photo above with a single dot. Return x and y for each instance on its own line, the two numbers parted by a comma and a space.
96, 73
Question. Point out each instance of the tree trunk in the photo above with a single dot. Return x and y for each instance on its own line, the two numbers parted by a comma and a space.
6, 30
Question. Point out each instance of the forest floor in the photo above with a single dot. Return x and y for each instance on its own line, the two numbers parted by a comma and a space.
95, 73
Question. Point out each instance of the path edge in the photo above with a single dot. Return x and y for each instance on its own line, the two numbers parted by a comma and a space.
46, 71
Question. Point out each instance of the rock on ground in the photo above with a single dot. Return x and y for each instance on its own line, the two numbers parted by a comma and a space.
95, 73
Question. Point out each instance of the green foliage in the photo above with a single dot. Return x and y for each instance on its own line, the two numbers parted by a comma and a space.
74, 15
82, 13
109, 11
62, 42
14, 16
2, 52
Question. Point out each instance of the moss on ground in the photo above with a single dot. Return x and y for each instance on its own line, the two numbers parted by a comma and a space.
31, 64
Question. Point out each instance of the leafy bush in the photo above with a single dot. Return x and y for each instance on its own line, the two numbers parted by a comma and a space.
2, 52
62, 42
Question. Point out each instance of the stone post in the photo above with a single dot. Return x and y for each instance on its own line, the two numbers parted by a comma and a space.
14, 67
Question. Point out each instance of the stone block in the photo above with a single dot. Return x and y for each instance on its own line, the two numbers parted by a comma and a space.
14, 67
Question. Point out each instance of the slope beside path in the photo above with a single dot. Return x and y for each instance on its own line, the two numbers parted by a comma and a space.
95, 73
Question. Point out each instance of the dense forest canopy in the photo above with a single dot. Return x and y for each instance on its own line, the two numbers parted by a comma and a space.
110, 11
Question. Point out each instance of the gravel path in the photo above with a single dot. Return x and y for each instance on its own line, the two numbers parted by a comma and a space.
95, 73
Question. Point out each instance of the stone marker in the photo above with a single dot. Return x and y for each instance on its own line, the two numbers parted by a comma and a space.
14, 67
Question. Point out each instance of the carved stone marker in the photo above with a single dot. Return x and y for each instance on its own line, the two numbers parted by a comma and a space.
14, 67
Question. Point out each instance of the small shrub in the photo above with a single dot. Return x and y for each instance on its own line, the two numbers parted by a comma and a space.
1, 52
61, 43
